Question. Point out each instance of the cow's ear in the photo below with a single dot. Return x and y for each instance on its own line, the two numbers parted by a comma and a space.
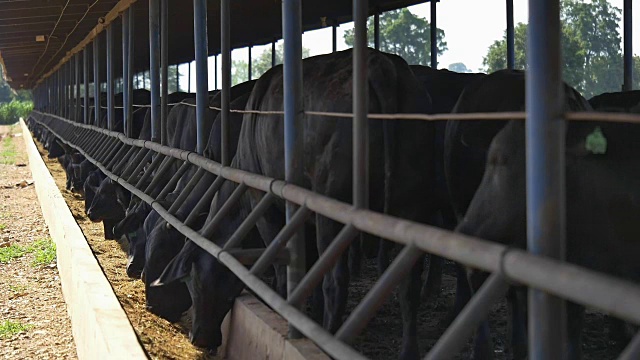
179, 269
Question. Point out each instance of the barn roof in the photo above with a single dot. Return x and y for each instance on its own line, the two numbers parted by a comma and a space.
36, 36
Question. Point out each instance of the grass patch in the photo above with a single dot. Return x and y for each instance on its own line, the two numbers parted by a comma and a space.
8, 154
44, 251
2, 227
18, 289
11, 252
9, 328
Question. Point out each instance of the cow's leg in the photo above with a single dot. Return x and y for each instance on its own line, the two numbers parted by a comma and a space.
336, 281
384, 248
518, 329
433, 283
575, 317
409, 304
463, 294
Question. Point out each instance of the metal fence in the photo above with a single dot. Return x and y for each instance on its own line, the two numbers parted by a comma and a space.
122, 158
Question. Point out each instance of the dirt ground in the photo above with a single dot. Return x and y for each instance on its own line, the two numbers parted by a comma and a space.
34, 323
381, 339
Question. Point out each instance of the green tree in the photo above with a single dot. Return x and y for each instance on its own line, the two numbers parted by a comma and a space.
592, 58
405, 34
259, 65
459, 67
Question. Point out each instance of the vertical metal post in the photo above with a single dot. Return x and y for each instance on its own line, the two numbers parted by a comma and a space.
164, 63
77, 108
511, 54
96, 80
225, 51
545, 171
274, 54
434, 35
85, 55
249, 65
127, 75
376, 30
202, 75
70, 89
293, 133
154, 67
628, 47
111, 112
334, 35
215, 71
360, 106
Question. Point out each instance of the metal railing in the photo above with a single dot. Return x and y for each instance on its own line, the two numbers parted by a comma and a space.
120, 158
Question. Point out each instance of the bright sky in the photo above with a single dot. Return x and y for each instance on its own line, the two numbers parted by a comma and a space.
470, 27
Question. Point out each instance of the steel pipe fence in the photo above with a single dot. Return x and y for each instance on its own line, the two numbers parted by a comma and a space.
508, 266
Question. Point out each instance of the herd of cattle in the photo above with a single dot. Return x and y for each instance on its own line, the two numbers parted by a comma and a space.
467, 176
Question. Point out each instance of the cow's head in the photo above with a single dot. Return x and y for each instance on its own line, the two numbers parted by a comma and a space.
109, 202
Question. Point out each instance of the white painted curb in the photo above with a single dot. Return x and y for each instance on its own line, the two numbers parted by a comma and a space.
101, 329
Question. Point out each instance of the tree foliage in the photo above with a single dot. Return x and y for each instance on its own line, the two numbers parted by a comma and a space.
459, 67
404, 34
592, 56
259, 65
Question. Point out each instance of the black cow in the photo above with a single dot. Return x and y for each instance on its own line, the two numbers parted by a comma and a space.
162, 244
405, 180
625, 101
496, 211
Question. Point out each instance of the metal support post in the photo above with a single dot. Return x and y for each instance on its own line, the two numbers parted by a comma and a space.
96, 80
293, 133
511, 55
434, 35
376, 30
274, 54
85, 54
154, 67
249, 65
164, 63
202, 75
111, 111
360, 106
225, 50
628, 47
334, 35
77, 107
545, 133
127, 63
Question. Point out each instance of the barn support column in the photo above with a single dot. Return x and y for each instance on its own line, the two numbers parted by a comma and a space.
110, 80
360, 106
96, 80
85, 54
334, 36
274, 54
293, 134
225, 51
249, 64
434, 35
376, 30
628, 47
164, 49
202, 76
127, 71
154, 68
70, 88
78, 109
545, 172
511, 54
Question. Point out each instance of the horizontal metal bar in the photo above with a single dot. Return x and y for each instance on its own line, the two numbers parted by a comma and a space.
476, 310
569, 281
250, 256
